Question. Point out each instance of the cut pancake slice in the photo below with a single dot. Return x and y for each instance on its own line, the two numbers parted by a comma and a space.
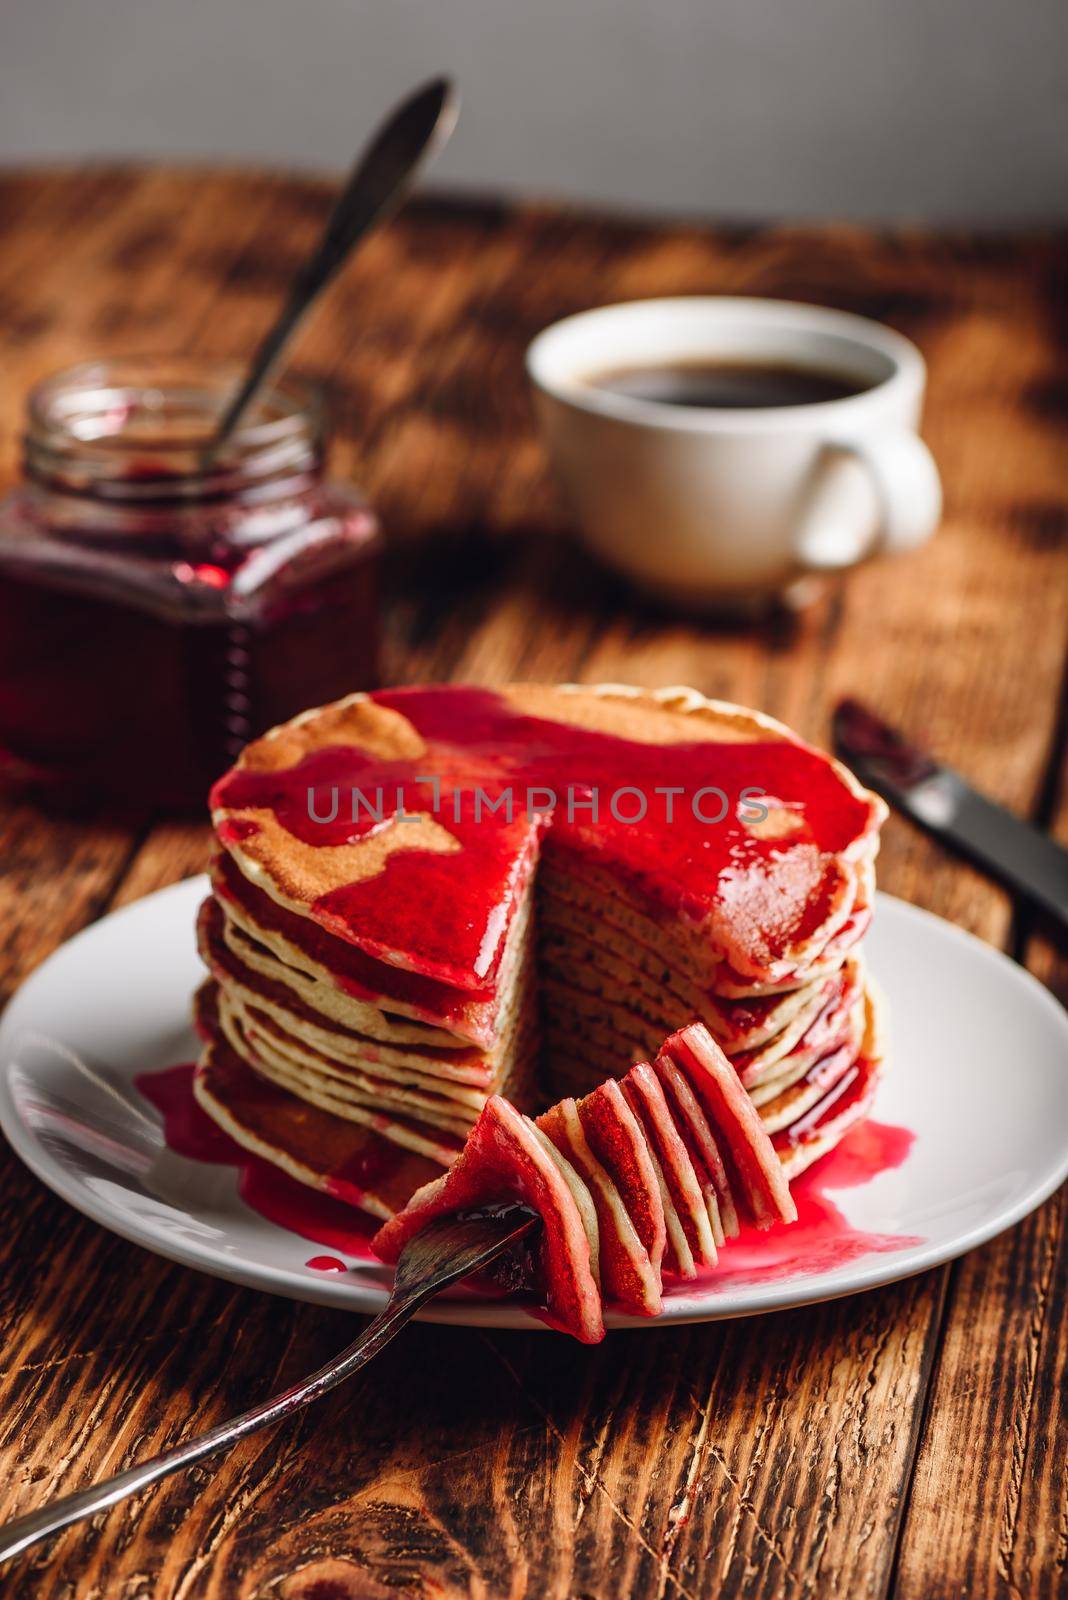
616, 1180
618, 1141
728, 1108
647, 1101
628, 1276
694, 1127
678, 1256
505, 1162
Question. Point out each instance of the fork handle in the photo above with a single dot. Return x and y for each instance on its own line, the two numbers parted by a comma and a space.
22, 1532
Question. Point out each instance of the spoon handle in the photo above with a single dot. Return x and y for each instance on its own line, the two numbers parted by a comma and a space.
378, 183
443, 1253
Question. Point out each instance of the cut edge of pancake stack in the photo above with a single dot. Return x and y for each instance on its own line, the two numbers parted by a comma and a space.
323, 1056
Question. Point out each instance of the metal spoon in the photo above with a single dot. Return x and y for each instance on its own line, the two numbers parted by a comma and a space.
444, 1252
381, 178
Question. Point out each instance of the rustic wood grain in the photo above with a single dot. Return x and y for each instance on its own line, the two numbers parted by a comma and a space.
988, 1507
908, 1440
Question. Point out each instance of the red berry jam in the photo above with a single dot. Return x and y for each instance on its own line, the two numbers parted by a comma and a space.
159, 608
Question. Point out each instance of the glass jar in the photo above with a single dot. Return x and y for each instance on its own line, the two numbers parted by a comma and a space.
158, 608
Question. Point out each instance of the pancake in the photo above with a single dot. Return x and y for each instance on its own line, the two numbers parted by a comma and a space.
365, 982
614, 955
310, 1074
235, 963
414, 906
354, 1165
333, 816
810, 1033
846, 937
848, 1102
802, 1087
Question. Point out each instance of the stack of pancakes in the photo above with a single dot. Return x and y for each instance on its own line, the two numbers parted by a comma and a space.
424, 897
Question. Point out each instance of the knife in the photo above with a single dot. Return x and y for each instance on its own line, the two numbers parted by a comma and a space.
1022, 857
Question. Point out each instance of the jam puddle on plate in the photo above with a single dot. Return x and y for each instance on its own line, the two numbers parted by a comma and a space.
272, 1194
820, 1240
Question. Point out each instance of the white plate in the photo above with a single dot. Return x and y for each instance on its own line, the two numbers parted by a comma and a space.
979, 1075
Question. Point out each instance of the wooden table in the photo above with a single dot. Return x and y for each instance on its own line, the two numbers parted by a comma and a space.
905, 1441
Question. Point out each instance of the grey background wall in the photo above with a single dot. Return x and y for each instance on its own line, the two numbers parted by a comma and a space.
942, 109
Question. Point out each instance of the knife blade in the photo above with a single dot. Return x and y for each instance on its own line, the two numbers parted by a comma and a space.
1019, 855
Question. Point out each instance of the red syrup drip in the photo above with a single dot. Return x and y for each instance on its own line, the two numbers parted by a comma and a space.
271, 1193
326, 1264
446, 912
821, 1238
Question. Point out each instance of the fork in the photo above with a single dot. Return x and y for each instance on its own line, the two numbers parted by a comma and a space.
442, 1253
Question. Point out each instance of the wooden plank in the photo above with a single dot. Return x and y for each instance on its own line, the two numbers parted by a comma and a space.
768, 1458
54, 877
987, 1512
988, 1507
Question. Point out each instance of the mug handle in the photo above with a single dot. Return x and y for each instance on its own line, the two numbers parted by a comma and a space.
908, 500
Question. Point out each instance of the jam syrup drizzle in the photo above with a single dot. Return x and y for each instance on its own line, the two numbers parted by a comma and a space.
759, 890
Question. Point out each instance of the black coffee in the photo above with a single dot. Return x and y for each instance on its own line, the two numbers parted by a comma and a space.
730, 385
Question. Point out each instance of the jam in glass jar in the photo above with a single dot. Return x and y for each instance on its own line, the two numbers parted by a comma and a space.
159, 608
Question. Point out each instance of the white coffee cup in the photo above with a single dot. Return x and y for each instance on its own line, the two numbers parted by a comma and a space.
733, 506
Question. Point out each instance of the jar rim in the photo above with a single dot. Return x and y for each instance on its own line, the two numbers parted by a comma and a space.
87, 424
289, 403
